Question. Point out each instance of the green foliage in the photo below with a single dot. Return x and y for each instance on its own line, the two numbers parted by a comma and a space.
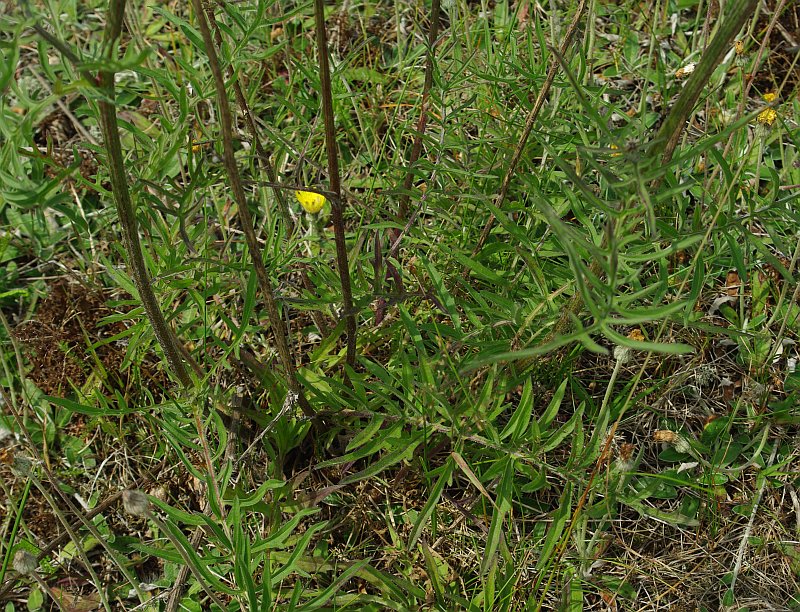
613, 363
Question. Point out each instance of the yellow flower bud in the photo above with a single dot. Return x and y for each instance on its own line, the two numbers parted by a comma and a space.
311, 202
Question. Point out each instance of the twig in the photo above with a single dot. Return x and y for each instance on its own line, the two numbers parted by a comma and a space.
337, 206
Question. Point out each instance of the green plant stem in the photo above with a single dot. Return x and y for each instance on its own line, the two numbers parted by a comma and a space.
186, 558
226, 124
337, 206
173, 350
670, 132
175, 353
416, 148
127, 216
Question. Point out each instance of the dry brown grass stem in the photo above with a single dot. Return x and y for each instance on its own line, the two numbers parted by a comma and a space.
261, 153
416, 148
529, 121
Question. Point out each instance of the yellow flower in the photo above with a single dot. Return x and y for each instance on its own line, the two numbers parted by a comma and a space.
310, 201
769, 98
767, 116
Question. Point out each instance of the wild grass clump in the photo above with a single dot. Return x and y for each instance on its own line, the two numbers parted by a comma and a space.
397, 306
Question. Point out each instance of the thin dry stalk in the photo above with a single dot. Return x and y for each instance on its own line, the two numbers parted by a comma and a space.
737, 568
337, 206
226, 124
531, 119
263, 156
416, 149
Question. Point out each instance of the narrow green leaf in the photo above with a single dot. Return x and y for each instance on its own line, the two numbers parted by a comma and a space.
560, 517
367, 433
321, 599
552, 408
416, 339
481, 271
502, 505
518, 424
430, 505
671, 348
555, 439
386, 438
443, 294
404, 451
73, 406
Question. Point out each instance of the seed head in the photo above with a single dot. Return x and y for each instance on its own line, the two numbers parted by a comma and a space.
24, 562
135, 503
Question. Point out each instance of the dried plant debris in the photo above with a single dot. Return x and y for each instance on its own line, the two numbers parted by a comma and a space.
67, 341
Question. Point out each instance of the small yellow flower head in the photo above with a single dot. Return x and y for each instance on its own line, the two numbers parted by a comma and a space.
769, 98
767, 116
311, 202
739, 47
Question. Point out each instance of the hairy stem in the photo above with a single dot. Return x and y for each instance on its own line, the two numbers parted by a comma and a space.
673, 126
176, 356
